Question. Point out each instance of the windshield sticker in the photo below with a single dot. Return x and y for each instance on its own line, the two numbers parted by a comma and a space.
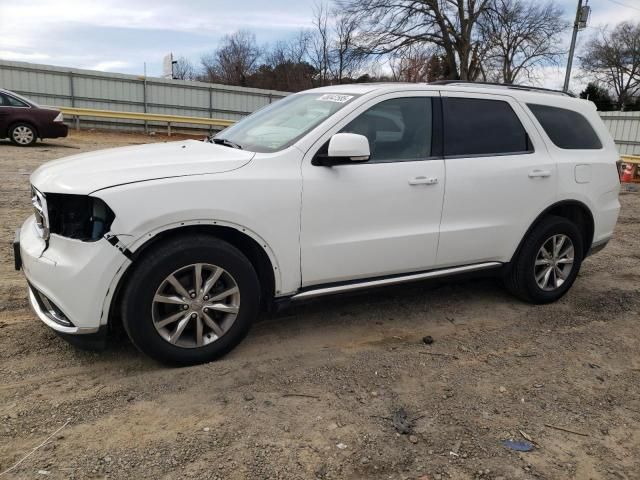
332, 97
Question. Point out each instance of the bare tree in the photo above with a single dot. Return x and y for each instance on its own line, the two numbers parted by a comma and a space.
345, 59
613, 58
294, 50
333, 51
234, 61
390, 25
285, 66
298, 47
183, 69
319, 54
519, 36
413, 64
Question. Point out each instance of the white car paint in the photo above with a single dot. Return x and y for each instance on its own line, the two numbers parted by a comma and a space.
482, 217
318, 225
87, 172
367, 220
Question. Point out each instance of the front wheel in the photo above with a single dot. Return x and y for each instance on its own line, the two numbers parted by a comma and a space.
191, 300
548, 262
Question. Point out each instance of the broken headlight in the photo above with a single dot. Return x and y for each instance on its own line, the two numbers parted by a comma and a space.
78, 216
40, 211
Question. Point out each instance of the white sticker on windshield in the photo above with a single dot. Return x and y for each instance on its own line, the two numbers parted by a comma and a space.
332, 97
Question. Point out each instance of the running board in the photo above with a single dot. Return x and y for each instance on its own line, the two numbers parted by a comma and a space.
350, 287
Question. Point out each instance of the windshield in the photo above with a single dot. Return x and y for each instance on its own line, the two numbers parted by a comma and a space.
280, 124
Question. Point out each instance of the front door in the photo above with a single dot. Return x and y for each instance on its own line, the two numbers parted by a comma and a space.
380, 217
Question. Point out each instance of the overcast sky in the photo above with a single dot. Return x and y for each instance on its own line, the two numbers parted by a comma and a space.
121, 35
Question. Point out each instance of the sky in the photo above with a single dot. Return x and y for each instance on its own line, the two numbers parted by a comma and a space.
123, 35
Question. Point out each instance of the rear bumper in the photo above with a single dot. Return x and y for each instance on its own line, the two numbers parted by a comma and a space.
53, 130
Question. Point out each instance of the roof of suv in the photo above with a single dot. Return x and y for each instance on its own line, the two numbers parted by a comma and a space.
524, 93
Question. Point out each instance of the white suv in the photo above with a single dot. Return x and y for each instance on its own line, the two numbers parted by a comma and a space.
326, 191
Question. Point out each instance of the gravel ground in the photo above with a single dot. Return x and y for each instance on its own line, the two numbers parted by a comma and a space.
339, 388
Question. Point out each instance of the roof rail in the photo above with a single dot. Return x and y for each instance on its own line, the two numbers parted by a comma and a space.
503, 85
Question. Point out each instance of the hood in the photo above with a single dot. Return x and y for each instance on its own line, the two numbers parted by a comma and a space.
91, 171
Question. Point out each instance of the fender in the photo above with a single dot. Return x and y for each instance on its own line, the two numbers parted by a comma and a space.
130, 249
562, 203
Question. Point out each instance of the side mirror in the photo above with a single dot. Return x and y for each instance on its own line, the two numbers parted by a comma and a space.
349, 146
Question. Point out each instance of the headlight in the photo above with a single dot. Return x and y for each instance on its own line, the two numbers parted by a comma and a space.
59, 118
41, 212
73, 216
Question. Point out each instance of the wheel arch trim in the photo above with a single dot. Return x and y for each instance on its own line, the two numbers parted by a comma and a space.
140, 243
562, 203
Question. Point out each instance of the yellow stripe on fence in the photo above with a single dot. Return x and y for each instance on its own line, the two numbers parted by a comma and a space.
149, 117
630, 158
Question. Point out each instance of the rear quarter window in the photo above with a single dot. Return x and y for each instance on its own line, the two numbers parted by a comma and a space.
567, 129
9, 101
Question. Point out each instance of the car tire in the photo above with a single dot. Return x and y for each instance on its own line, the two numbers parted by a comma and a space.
207, 332
547, 263
23, 134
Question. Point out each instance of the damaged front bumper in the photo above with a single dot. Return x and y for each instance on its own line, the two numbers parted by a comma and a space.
69, 280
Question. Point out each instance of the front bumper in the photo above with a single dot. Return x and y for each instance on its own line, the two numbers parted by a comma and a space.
51, 318
69, 280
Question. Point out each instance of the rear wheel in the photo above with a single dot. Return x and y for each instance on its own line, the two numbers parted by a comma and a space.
191, 300
548, 262
23, 134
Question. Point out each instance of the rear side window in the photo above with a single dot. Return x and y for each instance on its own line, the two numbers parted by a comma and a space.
9, 101
566, 129
479, 127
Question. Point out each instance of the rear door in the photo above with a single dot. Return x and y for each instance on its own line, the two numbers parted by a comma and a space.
499, 177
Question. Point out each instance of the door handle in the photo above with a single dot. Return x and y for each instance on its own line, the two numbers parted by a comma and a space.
423, 181
539, 173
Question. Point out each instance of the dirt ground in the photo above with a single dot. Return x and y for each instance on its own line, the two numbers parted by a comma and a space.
313, 392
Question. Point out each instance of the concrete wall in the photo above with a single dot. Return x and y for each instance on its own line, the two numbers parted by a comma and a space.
70, 87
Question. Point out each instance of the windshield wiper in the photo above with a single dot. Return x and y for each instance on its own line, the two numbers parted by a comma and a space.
226, 143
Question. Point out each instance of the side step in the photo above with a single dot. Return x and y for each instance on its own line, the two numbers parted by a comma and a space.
381, 282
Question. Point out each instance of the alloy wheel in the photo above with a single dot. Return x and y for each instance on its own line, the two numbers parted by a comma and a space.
554, 262
195, 305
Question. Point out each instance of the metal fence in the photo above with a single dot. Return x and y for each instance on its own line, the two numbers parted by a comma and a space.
625, 129
70, 87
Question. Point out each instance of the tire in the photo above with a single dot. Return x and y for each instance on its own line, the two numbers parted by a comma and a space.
525, 276
23, 134
149, 287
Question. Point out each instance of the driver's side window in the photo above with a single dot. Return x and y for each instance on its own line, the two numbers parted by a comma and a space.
398, 129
